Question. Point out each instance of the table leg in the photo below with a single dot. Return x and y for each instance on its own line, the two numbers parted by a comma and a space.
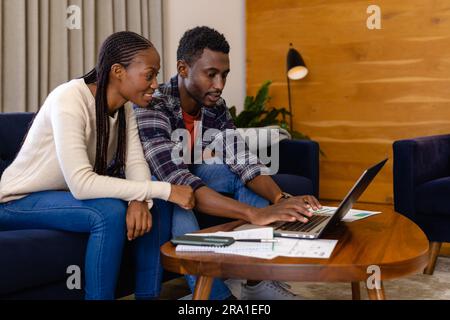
376, 294
435, 247
356, 292
202, 288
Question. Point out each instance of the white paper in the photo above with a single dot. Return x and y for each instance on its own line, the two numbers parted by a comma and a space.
261, 255
302, 248
354, 215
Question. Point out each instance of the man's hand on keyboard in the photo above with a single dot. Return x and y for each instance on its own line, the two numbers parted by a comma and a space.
291, 209
312, 201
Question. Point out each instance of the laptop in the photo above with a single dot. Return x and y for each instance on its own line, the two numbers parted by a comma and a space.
323, 221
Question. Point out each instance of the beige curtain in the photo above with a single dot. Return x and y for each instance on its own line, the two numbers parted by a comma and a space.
39, 51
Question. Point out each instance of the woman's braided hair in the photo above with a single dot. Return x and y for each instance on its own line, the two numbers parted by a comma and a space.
121, 48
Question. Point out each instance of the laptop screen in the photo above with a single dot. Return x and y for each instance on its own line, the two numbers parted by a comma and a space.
358, 188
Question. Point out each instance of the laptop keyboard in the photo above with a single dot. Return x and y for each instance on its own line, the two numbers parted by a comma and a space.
313, 221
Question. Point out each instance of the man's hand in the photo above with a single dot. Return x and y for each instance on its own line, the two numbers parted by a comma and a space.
139, 219
182, 196
292, 209
312, 201
308, 200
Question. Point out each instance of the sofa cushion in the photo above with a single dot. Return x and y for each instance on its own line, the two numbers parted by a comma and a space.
293, 184
34, 257
432, 197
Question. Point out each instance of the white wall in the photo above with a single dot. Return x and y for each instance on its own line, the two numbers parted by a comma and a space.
227, 17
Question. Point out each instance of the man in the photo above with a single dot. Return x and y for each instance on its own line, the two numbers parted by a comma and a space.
191, 98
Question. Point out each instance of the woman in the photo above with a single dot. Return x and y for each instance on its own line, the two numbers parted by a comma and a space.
81, 168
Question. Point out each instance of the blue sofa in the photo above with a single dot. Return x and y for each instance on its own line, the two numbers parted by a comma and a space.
33, 263
422, 187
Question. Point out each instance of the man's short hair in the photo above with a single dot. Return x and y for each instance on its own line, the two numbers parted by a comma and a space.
195, 40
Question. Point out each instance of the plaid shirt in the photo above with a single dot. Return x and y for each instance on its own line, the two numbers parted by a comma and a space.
157, 123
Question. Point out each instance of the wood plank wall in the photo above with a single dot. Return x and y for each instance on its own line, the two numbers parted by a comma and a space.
365, 88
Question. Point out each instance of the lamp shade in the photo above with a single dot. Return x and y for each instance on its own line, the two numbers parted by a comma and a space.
296, 67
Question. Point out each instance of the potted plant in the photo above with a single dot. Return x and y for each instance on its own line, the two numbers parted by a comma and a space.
257, 114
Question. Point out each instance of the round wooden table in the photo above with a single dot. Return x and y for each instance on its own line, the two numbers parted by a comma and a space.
387, 241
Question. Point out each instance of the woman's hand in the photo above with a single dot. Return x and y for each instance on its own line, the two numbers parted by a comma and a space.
139, 219
182, 196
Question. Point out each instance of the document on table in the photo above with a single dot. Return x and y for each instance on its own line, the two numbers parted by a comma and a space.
351, 216
355, 214
303, 248
284, 247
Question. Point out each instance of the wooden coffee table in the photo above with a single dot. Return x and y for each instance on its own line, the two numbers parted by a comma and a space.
388, 240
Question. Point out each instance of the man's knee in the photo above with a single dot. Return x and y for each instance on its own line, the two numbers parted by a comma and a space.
212, 170
218, 177
183, 221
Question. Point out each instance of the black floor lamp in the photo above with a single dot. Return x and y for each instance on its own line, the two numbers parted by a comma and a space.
296, 70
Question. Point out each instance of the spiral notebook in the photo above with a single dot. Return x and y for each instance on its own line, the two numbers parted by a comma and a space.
240, 248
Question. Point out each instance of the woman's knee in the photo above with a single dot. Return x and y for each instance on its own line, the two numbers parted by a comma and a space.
108, 213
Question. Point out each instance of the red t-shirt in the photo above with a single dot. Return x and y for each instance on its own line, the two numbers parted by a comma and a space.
189, 123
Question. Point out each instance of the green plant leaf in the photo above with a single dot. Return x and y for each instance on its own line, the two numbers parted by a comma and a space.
233, 113
257, 114
262, 97
248, 102
270, 118
244, 119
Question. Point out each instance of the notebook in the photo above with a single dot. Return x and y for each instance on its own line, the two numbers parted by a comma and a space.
253, 249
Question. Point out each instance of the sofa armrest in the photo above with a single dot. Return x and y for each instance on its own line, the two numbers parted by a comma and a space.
417, 161
301, 157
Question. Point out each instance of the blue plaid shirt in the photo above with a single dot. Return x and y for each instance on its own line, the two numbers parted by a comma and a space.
157, 122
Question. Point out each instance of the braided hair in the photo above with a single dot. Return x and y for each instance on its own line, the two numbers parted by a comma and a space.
121, 48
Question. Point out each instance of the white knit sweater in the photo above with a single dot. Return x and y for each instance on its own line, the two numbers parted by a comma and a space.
59, 153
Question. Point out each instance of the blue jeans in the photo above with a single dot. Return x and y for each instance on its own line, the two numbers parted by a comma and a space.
104, 220
221, 179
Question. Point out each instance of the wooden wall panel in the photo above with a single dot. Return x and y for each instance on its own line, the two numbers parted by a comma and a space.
365, 88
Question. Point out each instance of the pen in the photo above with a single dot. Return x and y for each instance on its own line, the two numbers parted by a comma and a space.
257, 240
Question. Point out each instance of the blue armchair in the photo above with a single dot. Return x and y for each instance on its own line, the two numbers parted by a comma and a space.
422, 187
33, 263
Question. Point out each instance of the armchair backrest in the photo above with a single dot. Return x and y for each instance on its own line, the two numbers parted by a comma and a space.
301, 157
417, 161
